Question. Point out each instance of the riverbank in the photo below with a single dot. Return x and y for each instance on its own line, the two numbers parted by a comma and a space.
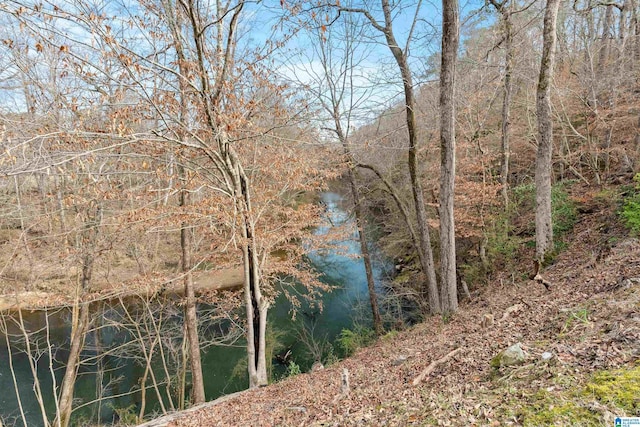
203, 282
580, 342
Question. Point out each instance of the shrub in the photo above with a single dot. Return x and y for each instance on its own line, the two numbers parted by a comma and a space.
349, 341
631, 208
564, 212
293, 369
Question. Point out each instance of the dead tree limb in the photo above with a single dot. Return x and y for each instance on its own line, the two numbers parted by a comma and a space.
433, 366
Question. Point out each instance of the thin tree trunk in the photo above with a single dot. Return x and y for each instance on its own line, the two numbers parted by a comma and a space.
506, 104
425, 253
78, 333
88, 242
355, 194
544, 226
190, 312
366, 258
256, 306
605, 48
191, 316
635, 30
450, 18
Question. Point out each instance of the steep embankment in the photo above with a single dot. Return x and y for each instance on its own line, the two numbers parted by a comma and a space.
589, 321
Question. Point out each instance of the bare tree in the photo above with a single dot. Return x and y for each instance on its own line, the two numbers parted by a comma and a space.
505, 8
544, 225
175, 19
450, 36
400, 56
335, 88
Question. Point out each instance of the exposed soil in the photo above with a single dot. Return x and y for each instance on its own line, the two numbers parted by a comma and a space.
588, 321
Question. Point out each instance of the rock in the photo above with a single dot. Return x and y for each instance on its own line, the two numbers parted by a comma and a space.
513, 355
547, 355
399, 360
317, 366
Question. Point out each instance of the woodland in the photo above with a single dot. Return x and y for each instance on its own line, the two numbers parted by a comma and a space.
163, 165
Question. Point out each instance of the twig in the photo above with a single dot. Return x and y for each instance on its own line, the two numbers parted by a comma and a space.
433, 365
524, 302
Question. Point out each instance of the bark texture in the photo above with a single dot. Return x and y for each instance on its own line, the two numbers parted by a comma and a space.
191, 317
450, 39
364, 248
544, 226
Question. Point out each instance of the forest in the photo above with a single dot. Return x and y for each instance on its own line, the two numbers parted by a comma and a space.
200, 197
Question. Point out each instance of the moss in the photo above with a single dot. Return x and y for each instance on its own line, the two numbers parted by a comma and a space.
390, 336
566, 414
404, 276
620, 387
545, 409
495, 362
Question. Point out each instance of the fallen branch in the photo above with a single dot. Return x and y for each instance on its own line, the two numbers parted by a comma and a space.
433, 366
166, 420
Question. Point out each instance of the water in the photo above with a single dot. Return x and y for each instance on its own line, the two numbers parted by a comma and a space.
346, 304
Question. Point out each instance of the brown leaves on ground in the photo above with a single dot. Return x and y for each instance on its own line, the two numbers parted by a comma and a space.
588, 321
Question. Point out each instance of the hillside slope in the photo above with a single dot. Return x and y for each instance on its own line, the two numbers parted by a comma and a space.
589, 321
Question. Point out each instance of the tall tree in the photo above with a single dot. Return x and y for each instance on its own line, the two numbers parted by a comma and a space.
544, 224
505, 8
450, 39
400, 56
339, 98
175, 20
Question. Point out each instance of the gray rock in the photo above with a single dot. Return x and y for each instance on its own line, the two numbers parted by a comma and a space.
400, 360
547, 355
513, 355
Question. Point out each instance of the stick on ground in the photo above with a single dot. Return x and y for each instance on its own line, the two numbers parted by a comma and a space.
433, 365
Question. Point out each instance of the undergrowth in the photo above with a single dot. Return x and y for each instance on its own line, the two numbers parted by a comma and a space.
631, 208
503, 242
349, 341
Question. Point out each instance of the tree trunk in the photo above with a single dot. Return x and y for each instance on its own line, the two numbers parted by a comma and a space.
506, 104
355, 194
256, 306
544, 228
449, 294
364, 249
635, 30
425, 253
80, 320
78, 333
190, 314
190, 311
605, 48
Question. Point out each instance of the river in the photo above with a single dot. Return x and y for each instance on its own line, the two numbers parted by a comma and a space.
345, 305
